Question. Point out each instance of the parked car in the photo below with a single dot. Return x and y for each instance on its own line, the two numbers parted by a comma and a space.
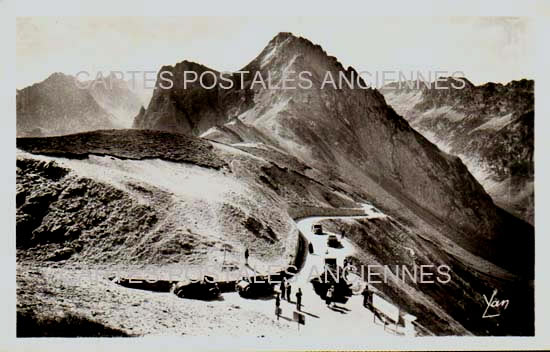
342, 290
317, 229
205, 289
142, 284
331, 263
333, 241
251, 289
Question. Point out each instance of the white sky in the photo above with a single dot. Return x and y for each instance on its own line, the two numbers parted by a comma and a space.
485, 49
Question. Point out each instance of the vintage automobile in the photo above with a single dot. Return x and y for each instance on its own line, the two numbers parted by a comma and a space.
205, 289
331, 263
334, 277
342, 290
259, 287
333, 241
317, 229
143, 284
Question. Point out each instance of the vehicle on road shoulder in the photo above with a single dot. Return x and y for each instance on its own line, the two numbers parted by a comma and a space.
342, 289
333, 242
333, 275
205, 289
317, 229
257, 288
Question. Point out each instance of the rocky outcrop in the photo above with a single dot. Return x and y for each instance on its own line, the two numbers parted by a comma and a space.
187, 107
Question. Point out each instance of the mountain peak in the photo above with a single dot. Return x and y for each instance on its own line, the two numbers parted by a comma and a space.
59, 77
186, 65
286, 47
283, 36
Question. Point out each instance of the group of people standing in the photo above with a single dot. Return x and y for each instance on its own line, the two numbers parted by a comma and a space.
285, 293
285, 290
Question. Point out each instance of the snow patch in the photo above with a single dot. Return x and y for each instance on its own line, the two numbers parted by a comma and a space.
269, 55
444, 112
496, 123
249, 145
210, 131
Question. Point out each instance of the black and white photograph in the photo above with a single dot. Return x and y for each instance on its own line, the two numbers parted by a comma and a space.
276, 180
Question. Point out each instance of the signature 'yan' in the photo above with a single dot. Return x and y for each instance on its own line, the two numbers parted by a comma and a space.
495, 305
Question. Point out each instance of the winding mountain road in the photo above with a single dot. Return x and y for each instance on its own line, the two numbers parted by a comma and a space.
349, 319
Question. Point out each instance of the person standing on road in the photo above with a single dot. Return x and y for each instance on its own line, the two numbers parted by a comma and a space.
299, 299
246, 254
288, 291
310, 248
278, 306
283, 288
330, 294
365, 294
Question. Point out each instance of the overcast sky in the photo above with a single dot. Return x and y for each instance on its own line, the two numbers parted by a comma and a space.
485, 49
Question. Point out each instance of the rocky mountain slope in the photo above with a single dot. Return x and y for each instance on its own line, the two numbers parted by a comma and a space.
59, 106
347, 133
490, 127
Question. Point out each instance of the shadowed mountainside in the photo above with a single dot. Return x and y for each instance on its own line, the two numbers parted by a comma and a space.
490, 127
